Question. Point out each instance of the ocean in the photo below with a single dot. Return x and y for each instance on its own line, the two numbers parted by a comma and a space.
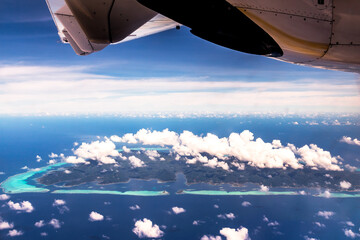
265, 216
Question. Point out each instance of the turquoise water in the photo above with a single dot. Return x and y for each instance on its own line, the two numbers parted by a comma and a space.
146, 148
341, 195
129, 193
18, 183
235, 193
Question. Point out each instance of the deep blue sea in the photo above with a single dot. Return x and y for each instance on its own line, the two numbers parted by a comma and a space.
294, 217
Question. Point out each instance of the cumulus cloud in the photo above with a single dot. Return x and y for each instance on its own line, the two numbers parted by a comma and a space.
4, 197
152, 154
55, 223
321, 225
102, 151
235, 234
327, 194
74, 160
350, 224
350, 141
309, 238
178, 210
349, 233
6, 225
242, 146
316, 157
94, 216
126, 149
226, 216
38, 158
264, 188
273, 224
216, 206
135, 207
14, 233
53, 155
146, 229
325, 214
115, 138
136, 162
40, 224
245, 204
210, 237
197, 222
345, 185
25, 206
59, 202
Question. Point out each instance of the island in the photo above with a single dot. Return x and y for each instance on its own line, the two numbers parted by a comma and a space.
165, 170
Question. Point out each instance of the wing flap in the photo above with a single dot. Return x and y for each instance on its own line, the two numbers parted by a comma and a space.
126, 20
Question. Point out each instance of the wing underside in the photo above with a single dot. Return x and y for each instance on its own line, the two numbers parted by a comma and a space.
89, 25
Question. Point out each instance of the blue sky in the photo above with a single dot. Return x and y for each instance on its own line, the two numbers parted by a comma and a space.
170, 71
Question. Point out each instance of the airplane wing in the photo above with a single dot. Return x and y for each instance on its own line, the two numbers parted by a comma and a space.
317, 33
87, 32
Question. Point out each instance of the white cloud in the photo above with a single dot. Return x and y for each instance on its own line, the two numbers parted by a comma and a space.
350, 168
350, 224
325, 214
25, 206
242, 146
14, 233
264, 188
125, 149
59, 202
74, 160
152, 154
146, 229
265, 219
327, 194
53, 155
226, 216
135, 207
310, 238
316, 157
321, 225
345, 185
136, 162
25, 168
102, 151
51, 161
210, 237
197, 222
178, 210
40, 224
115, 138
55, 223
38, 158
4, 197
273, 224
350, 141
216, 206
81, 92
43, 234
5, 225
349, 233
94, 216
235, 234
245, 204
